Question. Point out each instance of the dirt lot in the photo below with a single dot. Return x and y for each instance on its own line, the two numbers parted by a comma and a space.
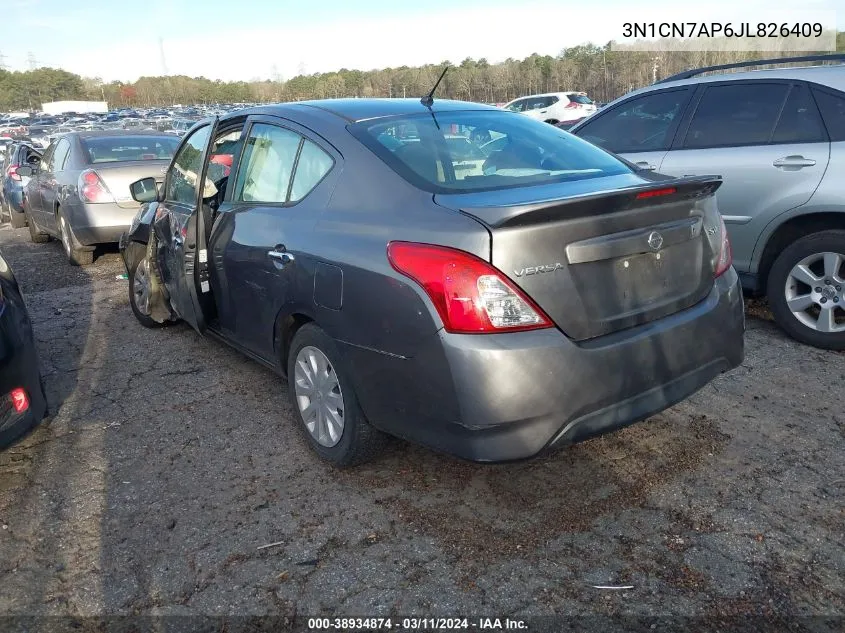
170, 460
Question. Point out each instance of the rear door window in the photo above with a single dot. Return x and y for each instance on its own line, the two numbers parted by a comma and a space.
832, 107
735, 114
641, 124
267, 165
60, 155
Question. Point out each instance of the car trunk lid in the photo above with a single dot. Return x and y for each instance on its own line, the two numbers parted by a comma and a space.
604, 254
118, 176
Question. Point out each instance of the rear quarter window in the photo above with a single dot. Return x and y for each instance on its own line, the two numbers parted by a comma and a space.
832, 107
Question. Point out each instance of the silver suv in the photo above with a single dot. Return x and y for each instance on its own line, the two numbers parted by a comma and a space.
777, 137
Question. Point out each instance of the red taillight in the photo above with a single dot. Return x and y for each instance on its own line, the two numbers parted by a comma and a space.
725, 258
92, 188
470, 295
656, 192
20, 401
12, 172
572, 104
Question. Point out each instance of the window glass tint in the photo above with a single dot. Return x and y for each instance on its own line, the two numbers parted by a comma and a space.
59, 156
641, 124
47, 158
799, 122
313, 164
184, 175
471, 151
833, 112
111, 149
517, 106
267, 164
738, 114
224, 150
580, 99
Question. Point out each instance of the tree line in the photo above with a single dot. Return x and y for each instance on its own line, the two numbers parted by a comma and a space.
602, 73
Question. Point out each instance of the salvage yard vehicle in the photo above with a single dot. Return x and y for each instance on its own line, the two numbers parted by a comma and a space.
554, 107
552, 294
777, 137
79, 191
12, 200
23, 403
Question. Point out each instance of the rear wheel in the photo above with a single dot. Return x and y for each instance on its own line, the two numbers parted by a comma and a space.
324, 401
35, 234
806, 289
75, 255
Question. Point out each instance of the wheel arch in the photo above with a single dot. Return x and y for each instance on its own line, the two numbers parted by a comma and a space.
552, 121
287, 325
789, 231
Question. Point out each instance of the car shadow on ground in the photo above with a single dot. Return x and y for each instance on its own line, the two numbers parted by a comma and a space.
173, 480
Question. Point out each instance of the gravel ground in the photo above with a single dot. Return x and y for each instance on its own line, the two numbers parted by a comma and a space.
170, 460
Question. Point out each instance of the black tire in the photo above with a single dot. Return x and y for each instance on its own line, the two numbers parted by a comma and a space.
143, 319
35, 234
18, 220
77, 254
821, 242
359, 441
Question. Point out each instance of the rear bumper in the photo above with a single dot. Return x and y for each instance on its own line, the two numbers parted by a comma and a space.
100, 223
512, 396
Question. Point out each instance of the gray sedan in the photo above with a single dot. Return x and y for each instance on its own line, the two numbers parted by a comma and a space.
79, 192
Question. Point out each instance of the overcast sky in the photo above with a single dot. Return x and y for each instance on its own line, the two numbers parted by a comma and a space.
246, 39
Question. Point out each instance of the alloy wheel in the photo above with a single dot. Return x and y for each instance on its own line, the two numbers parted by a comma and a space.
319, 396
815, 292
141, 287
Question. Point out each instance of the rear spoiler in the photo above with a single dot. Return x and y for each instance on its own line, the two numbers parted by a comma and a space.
597, 203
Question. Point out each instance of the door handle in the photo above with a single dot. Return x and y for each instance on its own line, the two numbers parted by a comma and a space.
794, 161
283, 258
644, 164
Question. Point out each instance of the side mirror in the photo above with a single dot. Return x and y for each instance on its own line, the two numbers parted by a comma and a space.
26, 171
144, 190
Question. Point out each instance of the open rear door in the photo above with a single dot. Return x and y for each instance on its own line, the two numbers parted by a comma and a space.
180, 230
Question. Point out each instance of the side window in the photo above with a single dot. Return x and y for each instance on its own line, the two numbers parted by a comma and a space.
224, 150
517, 106
641, 124
832, 107
61, 154
735, 114
187, 165
550, 101
799, 122
267, 164
312, 166
47, 159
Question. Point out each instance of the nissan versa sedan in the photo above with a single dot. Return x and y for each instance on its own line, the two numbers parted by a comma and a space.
495, 308
79, 192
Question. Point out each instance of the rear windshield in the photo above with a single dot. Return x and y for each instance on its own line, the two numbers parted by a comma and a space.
580, 99
482, 150
110, 149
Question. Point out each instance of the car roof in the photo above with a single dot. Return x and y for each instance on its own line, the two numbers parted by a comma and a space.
830, 75
355, 110
116, 132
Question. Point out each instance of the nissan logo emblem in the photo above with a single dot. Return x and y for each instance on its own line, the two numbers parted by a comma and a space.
655, 240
